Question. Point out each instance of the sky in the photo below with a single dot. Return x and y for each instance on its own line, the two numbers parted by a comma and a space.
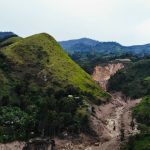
123, 21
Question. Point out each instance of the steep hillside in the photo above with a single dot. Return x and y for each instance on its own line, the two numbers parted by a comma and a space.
43, 92
132, 80
102, 74
43, 51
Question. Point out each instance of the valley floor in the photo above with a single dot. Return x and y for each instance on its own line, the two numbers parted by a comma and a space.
117, 120
111, 121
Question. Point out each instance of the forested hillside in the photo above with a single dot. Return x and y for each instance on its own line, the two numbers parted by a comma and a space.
134, 80
43, 92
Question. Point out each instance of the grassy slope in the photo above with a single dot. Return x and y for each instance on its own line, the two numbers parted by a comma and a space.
42, 49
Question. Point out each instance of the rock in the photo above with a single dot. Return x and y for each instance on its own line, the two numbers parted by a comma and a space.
96, 144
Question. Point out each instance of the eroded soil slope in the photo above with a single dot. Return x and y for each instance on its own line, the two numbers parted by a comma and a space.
102, 74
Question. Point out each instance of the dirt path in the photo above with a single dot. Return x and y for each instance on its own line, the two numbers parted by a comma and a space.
112, 123
117, 119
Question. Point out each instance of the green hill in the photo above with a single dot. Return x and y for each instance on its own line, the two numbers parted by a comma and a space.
42, 90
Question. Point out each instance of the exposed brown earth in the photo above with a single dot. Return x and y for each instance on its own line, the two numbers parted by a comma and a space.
111, 122
116, 122
102, 74
12, 146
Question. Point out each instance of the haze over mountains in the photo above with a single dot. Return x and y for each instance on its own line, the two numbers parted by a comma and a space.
84, 45
105, 48
5, 35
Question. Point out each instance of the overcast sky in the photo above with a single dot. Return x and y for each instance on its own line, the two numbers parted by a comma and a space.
124, 21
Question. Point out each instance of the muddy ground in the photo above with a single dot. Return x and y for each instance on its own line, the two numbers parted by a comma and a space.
112, 123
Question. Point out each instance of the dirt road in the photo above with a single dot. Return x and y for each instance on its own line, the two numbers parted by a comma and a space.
116, 124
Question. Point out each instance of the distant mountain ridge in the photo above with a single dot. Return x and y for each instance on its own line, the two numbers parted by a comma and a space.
83, 44
105, 48
85, 41
5, 35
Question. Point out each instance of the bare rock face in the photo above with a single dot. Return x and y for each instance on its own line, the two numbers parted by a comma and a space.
102, 74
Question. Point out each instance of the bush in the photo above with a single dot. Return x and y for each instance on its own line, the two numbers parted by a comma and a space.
142, 111
13, 124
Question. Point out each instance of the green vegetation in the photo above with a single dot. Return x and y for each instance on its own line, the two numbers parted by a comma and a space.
43, 50
142, 114
88, 46
43, 90
132, 80
88, 53
138, 143
14, 122
88, 60
9, 41
142, 111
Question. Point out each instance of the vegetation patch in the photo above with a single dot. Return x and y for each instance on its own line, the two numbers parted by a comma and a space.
132, 80
142, 114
